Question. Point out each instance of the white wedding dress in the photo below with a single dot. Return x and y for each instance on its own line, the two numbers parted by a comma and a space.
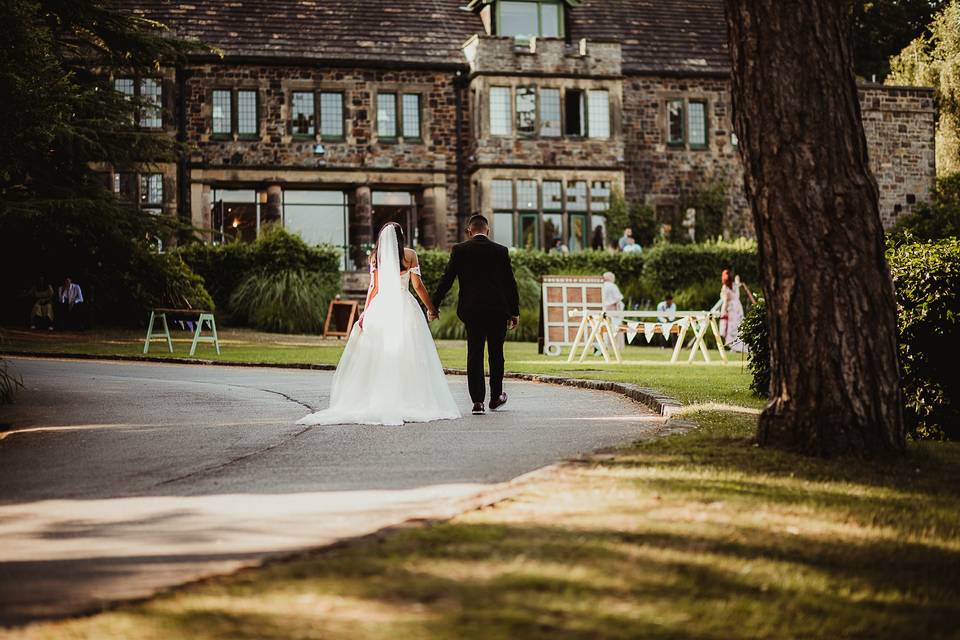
389, 372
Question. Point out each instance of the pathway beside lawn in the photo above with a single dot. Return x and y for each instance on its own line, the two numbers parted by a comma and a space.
700, 535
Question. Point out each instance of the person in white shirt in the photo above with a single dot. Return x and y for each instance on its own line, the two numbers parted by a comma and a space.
613, 301
632, 246
625, 238
70, 298
667, 312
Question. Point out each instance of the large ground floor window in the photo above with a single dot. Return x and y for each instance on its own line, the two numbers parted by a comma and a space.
237, 214
550, 213
319, 217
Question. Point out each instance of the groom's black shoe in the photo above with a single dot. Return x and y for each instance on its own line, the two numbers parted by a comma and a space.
478, 409
496, 403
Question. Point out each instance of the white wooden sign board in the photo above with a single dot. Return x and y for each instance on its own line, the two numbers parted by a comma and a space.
560, 295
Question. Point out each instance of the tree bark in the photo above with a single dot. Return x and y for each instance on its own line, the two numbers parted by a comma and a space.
835, 384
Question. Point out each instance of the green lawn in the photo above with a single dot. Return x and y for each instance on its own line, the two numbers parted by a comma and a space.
646, 366
699, 535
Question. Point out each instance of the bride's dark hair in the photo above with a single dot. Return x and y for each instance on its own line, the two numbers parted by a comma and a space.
400, 243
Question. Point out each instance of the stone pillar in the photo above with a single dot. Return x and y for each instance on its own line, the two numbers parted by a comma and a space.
361, 222
273, 211
428, 218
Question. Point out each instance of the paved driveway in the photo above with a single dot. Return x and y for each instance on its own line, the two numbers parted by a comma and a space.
122, 478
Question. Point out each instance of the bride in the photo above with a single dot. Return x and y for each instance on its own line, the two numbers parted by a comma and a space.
389, 372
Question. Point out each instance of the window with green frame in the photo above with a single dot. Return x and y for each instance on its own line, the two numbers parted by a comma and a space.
687, 124
399, 115
534, 214
529, 230
525, 19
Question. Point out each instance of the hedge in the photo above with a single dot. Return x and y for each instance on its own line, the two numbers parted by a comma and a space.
225, 267
926, 277
691, 272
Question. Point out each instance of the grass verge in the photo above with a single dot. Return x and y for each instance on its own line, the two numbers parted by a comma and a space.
699, 535
646, 366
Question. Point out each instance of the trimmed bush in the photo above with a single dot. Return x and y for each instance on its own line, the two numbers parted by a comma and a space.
672, 268
628, 267
927, 278
288, 301
755, 333
225, 267
449, 327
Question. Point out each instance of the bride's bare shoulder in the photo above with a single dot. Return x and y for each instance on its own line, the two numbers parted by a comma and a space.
410, 257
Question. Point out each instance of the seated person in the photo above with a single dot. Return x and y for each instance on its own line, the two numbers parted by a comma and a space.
667, 312
70, 299
42, 295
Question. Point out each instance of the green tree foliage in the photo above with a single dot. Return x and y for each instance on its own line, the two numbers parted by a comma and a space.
881, 28
636, 215
934, 61
58, 117
755, 333
934, 220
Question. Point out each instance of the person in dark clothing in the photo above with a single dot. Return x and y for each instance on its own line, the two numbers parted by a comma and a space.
488, 305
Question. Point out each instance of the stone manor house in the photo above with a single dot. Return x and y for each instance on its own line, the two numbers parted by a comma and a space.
332, 117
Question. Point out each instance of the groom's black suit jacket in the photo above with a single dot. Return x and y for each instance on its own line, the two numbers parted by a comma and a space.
488, 290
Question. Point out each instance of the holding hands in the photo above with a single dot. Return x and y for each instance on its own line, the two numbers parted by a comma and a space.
432, 314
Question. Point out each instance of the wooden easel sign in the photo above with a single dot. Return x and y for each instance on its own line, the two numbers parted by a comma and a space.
340, 318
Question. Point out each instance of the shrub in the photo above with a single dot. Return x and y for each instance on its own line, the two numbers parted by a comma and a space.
927, 278
9, 383
225, 267
628, 267
755, 333
166, 280
674, 267
289, 301
940, 218
449, 327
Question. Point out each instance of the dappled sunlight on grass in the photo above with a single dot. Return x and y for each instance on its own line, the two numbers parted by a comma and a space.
700, 535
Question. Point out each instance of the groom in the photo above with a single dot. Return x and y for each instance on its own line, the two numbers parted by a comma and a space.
488, 305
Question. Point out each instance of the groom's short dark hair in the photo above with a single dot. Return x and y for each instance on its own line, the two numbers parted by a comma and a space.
477, 222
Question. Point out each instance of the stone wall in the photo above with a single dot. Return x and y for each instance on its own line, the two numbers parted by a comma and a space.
355, 157
898, 122
661, 175
899, 125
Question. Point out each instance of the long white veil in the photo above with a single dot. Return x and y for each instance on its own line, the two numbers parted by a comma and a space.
384, 318
389, 372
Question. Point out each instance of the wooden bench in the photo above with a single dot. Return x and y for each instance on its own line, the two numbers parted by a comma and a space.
202, 317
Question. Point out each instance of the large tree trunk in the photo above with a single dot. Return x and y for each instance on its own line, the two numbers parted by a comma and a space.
835, 385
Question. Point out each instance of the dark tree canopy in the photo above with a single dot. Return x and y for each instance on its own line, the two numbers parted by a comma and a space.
882, 28
59, 115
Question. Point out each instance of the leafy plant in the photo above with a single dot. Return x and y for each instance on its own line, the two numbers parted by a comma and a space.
449, 327
939, 218
225, 267
289, 301
755, 333
926, 277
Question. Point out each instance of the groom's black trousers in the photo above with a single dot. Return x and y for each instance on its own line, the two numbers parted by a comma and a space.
489, 332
